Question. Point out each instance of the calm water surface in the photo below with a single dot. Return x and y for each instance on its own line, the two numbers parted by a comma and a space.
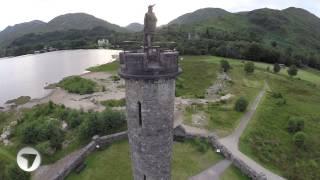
28, 75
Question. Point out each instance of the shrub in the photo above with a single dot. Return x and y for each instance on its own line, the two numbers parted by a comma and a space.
293, 70
241, 104
249, 67
295, 124
276, 68
44, 148
281, 101
276, 95
299, 139
73, 119
114, 103
77, 84
106, 122
225, 66
201, 145
115, 78
56, 138
42, 129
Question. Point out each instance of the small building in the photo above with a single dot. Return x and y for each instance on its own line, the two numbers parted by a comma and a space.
282, 66
103, 43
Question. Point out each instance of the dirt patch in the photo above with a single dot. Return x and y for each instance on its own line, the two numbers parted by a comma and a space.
199, 120
112, 90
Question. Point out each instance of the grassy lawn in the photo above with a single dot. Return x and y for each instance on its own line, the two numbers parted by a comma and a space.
78, 85
267, 139
109, 67
222, 118
232, 173
307, 74
114, 162
197, 76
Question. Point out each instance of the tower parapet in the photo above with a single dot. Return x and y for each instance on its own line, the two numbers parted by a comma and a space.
145, 65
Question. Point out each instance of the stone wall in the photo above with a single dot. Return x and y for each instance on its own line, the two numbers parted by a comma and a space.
61, 169
180, 133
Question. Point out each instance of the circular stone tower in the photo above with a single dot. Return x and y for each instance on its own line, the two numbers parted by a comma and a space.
150, 93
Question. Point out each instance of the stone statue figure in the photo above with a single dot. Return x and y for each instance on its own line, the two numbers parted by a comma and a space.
150, 24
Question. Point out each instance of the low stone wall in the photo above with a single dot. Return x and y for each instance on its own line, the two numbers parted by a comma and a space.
243, 167
107, 140
75, 162
61, 169
180, 133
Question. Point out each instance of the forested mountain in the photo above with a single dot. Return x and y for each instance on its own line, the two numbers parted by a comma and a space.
135, 27
199, 16
12, 32
76, 21
286, 36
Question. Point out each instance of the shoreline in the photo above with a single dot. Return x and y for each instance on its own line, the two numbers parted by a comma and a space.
9, 57
114, 90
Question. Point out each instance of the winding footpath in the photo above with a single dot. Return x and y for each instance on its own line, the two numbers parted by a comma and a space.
232, 141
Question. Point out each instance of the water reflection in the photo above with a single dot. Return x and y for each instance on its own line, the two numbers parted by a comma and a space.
27, 75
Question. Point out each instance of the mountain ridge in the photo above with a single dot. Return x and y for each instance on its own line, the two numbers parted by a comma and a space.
78, 21
193, 17
134, 27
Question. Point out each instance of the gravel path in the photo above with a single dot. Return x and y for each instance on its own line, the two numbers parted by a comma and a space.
232, 141
213, 172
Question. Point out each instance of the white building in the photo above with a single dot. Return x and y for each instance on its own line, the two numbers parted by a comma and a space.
102, 43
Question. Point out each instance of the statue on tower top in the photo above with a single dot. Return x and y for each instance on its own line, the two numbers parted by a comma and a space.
150, 24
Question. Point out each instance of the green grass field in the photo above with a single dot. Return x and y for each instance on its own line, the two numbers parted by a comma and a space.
114, 162
78, 85
222, 118
232, 173
267, 140
109, 67
196, 78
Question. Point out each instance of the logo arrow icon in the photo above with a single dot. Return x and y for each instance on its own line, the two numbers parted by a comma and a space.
30, 158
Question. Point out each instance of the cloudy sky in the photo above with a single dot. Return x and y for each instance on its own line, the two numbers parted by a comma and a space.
123, 12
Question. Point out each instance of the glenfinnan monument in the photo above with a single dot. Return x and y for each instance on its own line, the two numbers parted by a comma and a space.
149, 75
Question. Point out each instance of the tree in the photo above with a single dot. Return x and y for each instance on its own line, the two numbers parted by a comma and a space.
276, 68
274, 44
241, 104
225, 66
293, 70
299, 139
249, 67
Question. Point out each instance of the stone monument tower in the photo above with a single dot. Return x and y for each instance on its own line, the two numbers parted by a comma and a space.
149, 76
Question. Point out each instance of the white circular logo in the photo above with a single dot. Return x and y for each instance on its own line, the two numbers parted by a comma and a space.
28, 159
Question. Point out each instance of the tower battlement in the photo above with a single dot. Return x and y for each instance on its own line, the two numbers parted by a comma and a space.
156, 64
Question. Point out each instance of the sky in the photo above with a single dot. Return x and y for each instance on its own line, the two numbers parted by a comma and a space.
124, 12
